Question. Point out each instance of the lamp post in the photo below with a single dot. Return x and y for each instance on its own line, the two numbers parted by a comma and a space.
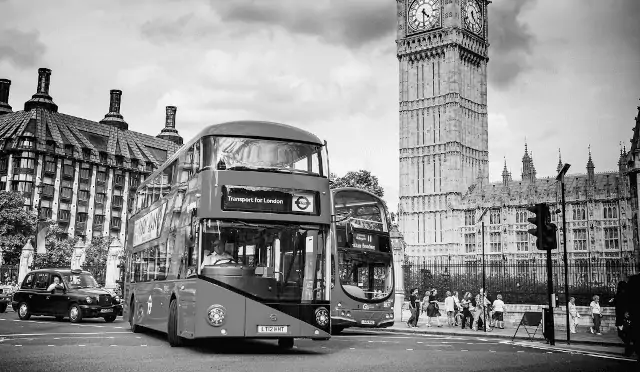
560, 178
484, 313
39, 190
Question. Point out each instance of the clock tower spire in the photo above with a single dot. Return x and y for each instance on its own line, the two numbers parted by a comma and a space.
442, 50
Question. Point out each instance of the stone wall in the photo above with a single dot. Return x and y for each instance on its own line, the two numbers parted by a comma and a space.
513, 315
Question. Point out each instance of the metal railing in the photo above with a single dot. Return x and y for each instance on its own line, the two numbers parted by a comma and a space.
519, 281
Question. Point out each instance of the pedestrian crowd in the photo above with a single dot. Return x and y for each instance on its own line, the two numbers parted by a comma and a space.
470, 311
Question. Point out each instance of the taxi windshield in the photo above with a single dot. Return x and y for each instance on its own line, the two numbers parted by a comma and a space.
76, 281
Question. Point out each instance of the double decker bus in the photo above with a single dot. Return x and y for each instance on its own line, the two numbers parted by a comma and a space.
231, 238
362, 293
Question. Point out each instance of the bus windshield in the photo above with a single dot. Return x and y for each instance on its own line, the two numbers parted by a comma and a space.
274, 262
366, 275
241, 153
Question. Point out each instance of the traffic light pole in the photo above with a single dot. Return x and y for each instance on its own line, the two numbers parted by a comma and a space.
551, 331
560, 177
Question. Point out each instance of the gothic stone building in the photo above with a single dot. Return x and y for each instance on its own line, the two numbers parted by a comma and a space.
81, 173
442, 51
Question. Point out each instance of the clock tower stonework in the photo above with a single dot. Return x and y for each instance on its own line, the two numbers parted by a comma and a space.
442, 50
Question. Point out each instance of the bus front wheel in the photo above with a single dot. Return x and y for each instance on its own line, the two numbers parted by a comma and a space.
285, 343
132, 318
172, 330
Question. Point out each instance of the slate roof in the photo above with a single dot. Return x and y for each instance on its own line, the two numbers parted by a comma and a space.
81, 133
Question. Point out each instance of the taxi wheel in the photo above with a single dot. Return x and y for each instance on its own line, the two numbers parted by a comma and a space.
109, 318
172, 330
132, 324
3, 308
285, 343
75, 313
23, 311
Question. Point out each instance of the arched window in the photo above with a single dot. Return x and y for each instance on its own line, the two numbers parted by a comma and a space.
615, 213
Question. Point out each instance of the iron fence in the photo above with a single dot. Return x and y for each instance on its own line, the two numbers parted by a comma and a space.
519, 281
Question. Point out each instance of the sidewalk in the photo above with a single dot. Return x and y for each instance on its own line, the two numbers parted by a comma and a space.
584, 336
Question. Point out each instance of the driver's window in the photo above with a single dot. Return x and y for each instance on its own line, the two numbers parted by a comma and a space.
53, 281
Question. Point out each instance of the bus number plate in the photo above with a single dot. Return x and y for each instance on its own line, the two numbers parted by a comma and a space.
272, 329
368, 322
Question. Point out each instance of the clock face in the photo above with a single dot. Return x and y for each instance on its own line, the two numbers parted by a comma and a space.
473, 19
424, 15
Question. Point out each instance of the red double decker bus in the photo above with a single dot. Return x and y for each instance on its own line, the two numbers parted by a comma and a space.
362, 292
231, 238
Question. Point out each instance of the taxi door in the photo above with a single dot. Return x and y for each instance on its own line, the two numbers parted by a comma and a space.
58, 301
38, 302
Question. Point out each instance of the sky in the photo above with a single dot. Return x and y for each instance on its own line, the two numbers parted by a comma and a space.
562, 74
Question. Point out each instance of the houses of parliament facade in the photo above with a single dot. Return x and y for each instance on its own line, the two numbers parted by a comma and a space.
442, 49
79, 172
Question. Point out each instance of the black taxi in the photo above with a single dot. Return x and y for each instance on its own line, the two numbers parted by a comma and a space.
64, 293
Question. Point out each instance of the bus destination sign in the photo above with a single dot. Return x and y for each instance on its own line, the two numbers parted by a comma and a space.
365, 241
268, 199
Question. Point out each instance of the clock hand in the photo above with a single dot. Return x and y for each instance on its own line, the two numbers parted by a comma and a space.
424, 14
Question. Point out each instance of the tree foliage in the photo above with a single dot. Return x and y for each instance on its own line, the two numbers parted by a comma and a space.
17, 226
362, 179
59, 249
97, 252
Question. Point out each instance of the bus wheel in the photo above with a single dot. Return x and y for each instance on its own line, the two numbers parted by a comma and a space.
172, 328
336, 330
285, 343
132, 321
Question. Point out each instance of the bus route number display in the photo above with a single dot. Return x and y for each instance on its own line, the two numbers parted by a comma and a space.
365, 241
265, 199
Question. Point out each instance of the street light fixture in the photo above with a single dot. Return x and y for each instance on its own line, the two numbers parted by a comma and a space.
560, 178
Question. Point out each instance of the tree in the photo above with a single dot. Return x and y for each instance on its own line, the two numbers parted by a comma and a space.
97, 252
362, 179
17, 225
59, 249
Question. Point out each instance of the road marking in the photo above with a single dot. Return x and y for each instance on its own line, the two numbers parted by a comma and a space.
420, 342
62, 333
80, 345
492, 351
143, 345
520, 351
409, 349
569, 351
352, 348
49, 345
464, 350
113, 345
18, 345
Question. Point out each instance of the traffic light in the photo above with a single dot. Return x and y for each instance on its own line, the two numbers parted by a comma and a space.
545, 231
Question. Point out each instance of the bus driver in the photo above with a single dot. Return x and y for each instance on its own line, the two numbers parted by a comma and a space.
217, 255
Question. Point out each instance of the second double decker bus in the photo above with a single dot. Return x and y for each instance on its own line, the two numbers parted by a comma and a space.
231, 238
362, 292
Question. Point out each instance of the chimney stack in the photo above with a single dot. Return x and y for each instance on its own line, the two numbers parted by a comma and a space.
5, 108
169, 131
113, 117
42, 99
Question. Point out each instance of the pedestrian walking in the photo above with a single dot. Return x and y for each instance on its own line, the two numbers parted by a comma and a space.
433, 308
574, 315
467, 310
498, 312
449, 307
596, 315
414, 307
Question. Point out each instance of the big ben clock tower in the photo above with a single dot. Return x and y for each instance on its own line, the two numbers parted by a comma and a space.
442, 50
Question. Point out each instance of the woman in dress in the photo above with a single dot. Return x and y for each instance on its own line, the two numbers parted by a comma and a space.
433, 309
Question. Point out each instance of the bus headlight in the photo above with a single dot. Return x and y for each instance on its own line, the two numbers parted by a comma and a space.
215, 315
322, 316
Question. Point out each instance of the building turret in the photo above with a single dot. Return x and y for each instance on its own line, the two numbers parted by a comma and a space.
505, 174
113, 117
560, 165
5, 108
590, 168
169, 131
42, 99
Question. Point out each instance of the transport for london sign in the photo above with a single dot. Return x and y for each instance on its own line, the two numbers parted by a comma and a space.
269, 199
149, 226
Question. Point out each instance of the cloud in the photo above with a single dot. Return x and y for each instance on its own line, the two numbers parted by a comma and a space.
22, 49
354, 24
511, 42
